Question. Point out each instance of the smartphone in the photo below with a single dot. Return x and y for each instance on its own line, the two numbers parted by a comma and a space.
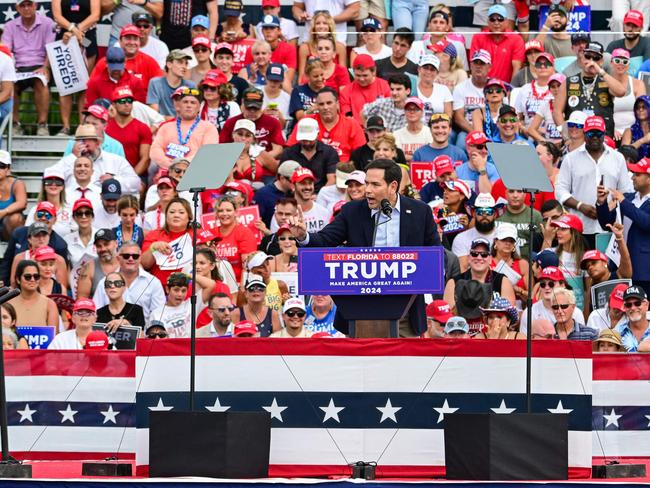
293, 259
273, 106
602, 180
85, 42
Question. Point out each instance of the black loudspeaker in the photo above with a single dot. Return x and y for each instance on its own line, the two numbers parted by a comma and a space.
209, 444
519, 447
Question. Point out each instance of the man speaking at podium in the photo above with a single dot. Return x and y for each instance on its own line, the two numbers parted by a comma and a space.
383, 219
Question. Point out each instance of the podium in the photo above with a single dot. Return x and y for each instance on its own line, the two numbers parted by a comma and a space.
373, 288
371, 316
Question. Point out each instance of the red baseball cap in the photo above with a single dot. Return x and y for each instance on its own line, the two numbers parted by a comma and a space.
364, 61
568, 221
82, 202
245, 328
44, 253
439, 310
302, 174
119, 93
166, 180
283, 228
592, 255
84, 304
439, 46
552, 273
459, 185
495, 81
534, 44
97, 111
548, 56
47, 206
97, 340
321, 335
616, 298
201, 41
223, 46
594, 122
214, 77
633, 17
337, 207
443, 165
129, 30
610, 142
247, 190
476, 137
643, 166
415, 101
270, 3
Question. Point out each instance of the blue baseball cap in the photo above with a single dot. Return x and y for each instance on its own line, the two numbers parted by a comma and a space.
270, 21
498, 9
115, 58
370, 23
200, 20
545, 258
275, 72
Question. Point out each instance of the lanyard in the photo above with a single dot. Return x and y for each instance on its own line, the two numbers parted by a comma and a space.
182, 141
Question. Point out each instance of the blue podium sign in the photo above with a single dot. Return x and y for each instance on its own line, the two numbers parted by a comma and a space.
38, 337
579, 19
370, 271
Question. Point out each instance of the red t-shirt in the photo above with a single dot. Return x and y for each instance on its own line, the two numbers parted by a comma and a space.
161, 235
499, 190
339, 78
268, 130
509, 48
286, 54
232, 246
345, 136
142, 66
242, 54
101, 86
132, 136
354, 96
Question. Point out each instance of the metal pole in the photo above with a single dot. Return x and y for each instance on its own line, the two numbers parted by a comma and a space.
529, 305
195, 225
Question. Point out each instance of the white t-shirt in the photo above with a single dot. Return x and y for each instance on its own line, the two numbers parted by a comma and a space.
287, 26
65, 340
463, 241
599, 319
104, 220
409, 143
7, 70
435, 104
418, 48
541, 312
334, 7
282, 101
547, 121
157, 50
315, 219
176, 319
76, 247
468, 97
528, 104
154, 219
384, 52
329, 195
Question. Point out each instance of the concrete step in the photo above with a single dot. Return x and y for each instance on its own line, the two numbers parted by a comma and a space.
34, 144
22, 164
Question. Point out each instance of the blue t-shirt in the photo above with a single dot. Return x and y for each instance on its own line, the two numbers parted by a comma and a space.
466, 173
301, 98
518, 138
109, 144
428, 153
326, 324
160, 93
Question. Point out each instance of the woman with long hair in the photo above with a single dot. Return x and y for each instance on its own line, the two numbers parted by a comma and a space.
570, 250
48, 262
218, 99
256, 309
81, 241
322, 26
155, 218
287, 260
436, 97
178, 216
451, 71
303, 97
505, 250
13, 198
53, 191
128, 229
118, 311
208, 278
32, 307
485, 118
638, 135
8, 314
624, 106
542, 126
335, 74
534, 95
202, 49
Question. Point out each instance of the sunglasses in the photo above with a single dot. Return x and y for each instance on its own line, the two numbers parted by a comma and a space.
124, 101
295, 313
157, 335
621, 61
485, 211
31, 276
84, 313
480, 147
593, 58
190, 91
43, 214
594, 133
53, 182
286, 238
562, 306
127, 256
438, 117
84, 213
547, 284
255, 288
542, 64
491, 91
476, 254
497, 18
4, 166
200, 49
114, 284
210, 88
223, 309
635, 303
143, 26
506, 120
573, 125
545, 336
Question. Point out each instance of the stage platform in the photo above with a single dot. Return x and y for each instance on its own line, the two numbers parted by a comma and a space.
67, 474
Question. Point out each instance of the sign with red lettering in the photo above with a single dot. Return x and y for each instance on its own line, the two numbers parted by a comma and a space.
421, 174
247, 216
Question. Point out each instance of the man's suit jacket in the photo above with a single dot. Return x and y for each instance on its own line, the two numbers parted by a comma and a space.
354, 227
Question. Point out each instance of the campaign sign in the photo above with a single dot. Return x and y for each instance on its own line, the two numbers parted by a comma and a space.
38, 337
247, 216
579, 18
421, 174
68, 66
370, 271
124, 337
600, 293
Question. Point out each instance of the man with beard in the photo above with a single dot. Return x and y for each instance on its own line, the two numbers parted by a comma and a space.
468, 94
636, 329
105, 263
485, 227
314, 215
632, 40
518, 214
559, 42
219, 308
584, 169
592, 91
106, 216
320, 158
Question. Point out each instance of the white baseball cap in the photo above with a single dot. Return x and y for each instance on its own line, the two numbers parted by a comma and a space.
249, 125
294, 303
5, 157
307, 130
506, 230
484, 200
258, 259
577, 117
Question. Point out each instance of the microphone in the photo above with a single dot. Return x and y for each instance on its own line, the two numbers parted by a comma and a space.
9, 295
385, 207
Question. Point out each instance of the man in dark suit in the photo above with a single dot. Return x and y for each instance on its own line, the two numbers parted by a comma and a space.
411, 224
635, 209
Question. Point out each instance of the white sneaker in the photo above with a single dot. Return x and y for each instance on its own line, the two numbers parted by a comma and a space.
43, 130
18, 130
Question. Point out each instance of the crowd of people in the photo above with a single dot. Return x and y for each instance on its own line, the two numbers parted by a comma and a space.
325, 124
